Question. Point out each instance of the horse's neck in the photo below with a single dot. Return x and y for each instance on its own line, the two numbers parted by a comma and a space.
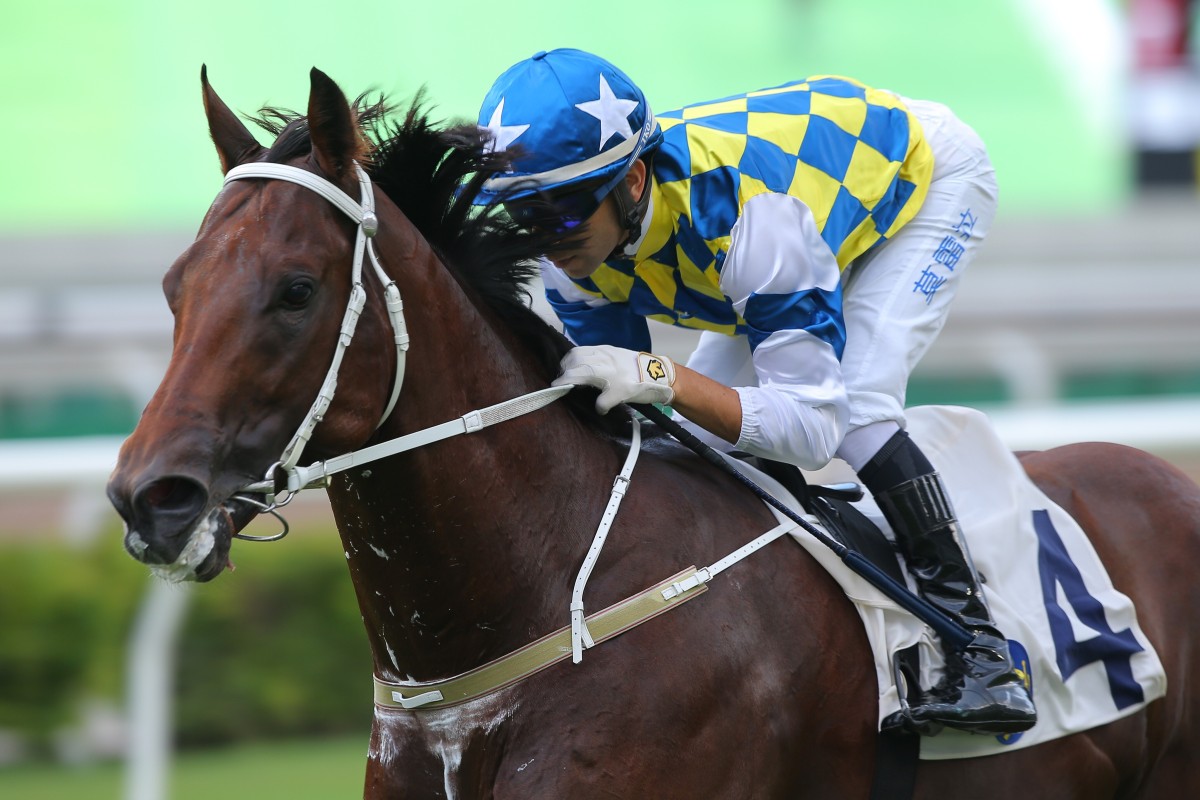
465, 549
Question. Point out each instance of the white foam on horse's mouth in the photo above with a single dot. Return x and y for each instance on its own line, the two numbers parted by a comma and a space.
200, 543
136, 544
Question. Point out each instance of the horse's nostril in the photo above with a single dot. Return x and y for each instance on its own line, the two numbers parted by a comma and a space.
160, 493
171, 496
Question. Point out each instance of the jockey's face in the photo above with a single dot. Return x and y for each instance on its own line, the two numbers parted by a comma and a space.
598, 237
601, 233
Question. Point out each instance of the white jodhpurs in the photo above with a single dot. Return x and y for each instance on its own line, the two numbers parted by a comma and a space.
896, 297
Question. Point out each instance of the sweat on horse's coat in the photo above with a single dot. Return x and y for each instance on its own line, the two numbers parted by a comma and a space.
764, 688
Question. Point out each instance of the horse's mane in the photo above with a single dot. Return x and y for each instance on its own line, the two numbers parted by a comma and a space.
432, 173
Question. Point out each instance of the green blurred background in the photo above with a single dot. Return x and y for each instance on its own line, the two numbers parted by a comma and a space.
102, 123
1088, 289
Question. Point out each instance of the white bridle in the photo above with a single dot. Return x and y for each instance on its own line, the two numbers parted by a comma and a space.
368, 225
409, 695
316, 475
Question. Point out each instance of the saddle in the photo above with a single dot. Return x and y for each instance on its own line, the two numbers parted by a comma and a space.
833, 505
1046, 586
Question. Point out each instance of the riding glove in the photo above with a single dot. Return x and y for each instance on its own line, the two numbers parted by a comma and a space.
622, 376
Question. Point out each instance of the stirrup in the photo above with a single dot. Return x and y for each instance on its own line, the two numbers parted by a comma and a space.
935, 712
902, 721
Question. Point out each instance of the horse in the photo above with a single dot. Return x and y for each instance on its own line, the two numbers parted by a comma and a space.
462, 551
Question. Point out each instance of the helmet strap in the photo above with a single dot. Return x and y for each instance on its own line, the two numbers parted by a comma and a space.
630, 212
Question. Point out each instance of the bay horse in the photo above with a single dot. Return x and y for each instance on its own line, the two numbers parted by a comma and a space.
464, 550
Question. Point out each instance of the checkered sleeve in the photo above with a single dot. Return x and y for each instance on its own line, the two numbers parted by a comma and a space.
785, 282
591, 319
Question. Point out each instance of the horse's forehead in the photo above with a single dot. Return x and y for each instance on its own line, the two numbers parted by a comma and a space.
266, 223
262, 198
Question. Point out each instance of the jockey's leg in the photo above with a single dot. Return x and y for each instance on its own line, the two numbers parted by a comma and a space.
980, 690
896, 301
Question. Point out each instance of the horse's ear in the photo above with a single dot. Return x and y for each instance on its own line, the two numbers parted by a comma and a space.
331, 123
235, 144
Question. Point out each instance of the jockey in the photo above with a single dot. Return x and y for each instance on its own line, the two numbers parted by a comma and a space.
815, 233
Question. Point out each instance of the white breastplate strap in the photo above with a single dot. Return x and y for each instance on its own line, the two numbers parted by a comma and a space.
580, 635
708, 573
364, 215
583, 631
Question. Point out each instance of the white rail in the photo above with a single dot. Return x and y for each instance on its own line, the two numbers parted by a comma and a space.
1160, 425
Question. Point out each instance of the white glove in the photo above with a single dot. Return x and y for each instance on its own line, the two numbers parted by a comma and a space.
622, 376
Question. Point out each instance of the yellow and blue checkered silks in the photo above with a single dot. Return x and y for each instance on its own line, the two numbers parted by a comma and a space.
854, 155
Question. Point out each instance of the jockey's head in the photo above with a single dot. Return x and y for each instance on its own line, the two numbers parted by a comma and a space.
574, 125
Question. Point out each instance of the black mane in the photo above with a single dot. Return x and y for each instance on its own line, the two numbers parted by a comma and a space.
432, 174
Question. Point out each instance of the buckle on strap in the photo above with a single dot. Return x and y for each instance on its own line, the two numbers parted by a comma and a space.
687, 584
417, 700
370, 224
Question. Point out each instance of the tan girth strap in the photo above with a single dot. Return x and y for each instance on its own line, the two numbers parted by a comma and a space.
537, 656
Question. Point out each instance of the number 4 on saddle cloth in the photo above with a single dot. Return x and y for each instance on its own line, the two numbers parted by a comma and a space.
1073, 635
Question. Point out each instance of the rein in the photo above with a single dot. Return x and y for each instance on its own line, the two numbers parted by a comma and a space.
317, 474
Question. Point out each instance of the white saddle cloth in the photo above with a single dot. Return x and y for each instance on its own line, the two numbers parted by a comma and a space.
1074, 635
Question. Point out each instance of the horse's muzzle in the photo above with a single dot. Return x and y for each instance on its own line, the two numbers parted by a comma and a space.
170, 525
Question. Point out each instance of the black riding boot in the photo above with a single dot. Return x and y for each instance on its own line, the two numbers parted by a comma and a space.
980, 691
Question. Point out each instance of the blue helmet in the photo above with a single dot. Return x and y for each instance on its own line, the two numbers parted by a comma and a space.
576, 124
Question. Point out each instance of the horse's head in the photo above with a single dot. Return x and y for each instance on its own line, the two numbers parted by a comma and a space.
258, 299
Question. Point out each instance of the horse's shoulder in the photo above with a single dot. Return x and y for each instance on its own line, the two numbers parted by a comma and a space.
665, 452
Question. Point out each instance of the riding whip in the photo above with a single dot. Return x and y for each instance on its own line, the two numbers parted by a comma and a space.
946, 627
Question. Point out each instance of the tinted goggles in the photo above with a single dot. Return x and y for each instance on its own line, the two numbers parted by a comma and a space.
560, 212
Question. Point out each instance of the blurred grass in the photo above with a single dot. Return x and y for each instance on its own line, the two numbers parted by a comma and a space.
65, 617
296, 770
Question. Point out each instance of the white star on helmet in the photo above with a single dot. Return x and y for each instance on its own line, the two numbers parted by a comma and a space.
502, 135
612, 111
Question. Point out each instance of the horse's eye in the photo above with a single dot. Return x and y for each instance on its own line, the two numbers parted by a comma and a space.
298, 294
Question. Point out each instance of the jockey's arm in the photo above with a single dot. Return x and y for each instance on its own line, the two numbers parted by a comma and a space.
785, 283
713, 406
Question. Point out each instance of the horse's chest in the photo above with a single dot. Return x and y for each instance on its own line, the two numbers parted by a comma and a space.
452, 753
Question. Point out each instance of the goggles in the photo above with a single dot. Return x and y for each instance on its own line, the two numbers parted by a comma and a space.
561, 212
565, 209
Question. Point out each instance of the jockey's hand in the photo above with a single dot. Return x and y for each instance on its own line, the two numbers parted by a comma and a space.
622, 376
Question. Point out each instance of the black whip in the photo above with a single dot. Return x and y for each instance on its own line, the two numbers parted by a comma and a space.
951, 631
